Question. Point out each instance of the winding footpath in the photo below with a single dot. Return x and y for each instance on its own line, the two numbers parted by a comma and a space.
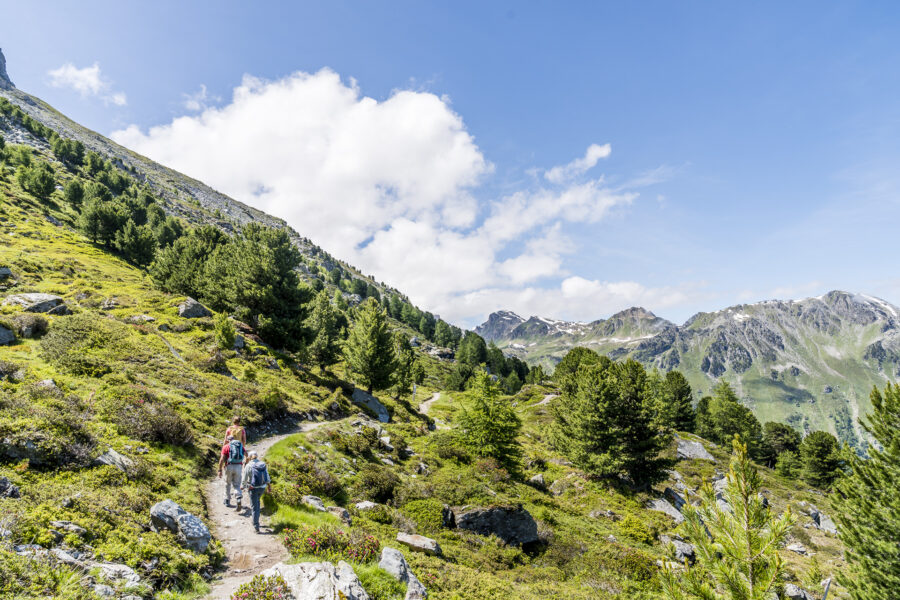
248, 553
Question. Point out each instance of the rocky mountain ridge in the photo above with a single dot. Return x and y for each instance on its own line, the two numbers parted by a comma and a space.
810, 362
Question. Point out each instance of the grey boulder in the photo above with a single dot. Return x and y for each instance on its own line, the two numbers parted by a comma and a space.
35, 302
341, 513
189, 529
6, 336
512, 524
191, 309
320, 581
663, 506
693, 450
795, 592
314, 502
114, 459
419, 543
371, 402
683, 550
393, 562
8, 489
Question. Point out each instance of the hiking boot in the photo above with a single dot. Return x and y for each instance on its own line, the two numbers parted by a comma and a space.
256, 527
227, 501
239, 506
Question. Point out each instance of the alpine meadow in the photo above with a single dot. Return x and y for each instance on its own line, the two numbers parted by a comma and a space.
262, 341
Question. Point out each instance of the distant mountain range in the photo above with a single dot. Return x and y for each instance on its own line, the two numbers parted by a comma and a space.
811, 363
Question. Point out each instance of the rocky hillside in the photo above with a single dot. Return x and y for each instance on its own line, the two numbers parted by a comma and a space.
810, 363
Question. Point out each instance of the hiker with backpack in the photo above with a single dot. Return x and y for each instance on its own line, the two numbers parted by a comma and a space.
231, 460
236, 430
256, 480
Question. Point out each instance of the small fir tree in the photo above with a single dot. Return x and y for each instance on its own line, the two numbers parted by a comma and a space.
489, 424
406, 362
680, 398
821, 459
869, 505
370, 348
225, 333
325, 348
736, 547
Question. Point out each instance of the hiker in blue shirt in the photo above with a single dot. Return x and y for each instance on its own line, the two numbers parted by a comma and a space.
231, 460
256, 480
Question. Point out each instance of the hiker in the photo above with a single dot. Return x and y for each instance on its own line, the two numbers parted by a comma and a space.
231, 459
237, 431
256, 480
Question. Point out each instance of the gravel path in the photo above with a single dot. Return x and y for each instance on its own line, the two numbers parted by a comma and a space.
248, 553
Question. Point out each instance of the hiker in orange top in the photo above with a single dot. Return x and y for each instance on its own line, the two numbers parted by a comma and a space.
231, 460
236, 430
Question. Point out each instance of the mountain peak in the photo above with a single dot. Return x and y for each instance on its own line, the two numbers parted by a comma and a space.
635, 312
5, 83
499, 325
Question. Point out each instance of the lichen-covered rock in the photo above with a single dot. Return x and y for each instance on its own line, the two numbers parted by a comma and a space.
683, 551
6, 336
395, 564
419, 543
693, 450
34, 302
372, 403
366, 505
341, 513
512, 524
113, 458
8, 489
314, 502
191, 309
189, 529
320, 581
663, 506
795, 592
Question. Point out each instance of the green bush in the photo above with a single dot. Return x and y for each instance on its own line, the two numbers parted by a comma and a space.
358, 443
142, 416
376, 483
380, 514
427, 514
46, 430
633, 527
448, 446
27, 325
331, 543
299, 475
224, 332
85, 345
263, 587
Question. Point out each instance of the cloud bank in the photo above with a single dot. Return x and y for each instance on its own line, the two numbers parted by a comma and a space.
88, 82
391, 186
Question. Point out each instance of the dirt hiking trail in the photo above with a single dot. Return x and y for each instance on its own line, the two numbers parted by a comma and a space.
248, 553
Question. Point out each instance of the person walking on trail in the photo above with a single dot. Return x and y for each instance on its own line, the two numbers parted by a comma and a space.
231, 460
236, 430
256, 480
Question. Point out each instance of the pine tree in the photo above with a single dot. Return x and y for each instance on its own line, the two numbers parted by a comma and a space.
680, 398
225, 333
74, 192
722, 416
607, 421
736, 549
489, 424
777, 439
406, 362
869, 505
325, 348
370, 348
443, 336
820, 456
137, 243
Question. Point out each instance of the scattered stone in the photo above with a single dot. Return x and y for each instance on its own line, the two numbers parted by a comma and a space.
795, 592
104, 590
315, 502
797, 547
191, 531
341, 513
422, 469
191, 309
164, 328
663, 506
320, 581
114, 459
385, 442
683, 550
69, 526
419, 543
138, 319
239, 342
6, 336
8, 489
675, 498
387, 461
820, 520
59, 311
371, 402
537, 481
47, 384
366, 505
109, 303
5, 273
693, 450
606, 514
65, 557
117, 572
34, 302
719, 488
512, 524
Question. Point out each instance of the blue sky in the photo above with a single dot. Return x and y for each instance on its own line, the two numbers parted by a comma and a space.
754, 148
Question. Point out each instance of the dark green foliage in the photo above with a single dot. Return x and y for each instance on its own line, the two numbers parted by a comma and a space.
564, 374
607, 421
370, 348
821, 459
178, 269
788, 464
448, 446
777, 439
472, 350
73, 192
376, 483
406, 371
722, 416
679, 398
37, 180
536, 375
325, 349
263, 587
68, 151
140, 415
489, 425
100, 219
136, 243
869, 505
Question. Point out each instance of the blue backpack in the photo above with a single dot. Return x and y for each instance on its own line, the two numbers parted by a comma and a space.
259, 475
235, 452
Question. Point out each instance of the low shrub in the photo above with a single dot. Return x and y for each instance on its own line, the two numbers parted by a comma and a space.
448, 446
427, 514
263, 587
142, 416
331, 543
376, 483
47, 431
380, 514
635, 528
27, 325
492, 470
86, 345
358, 443
299, 475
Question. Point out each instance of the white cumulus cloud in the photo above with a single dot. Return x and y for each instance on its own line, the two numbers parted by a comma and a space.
392, 187
87, 81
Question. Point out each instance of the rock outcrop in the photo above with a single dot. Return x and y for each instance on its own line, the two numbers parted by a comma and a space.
320, 581
419, 543
191, 531
664, 506
693, 450
191, 309
795, 592
37, 303
5, 82
6, 336
512, 524
114, 459
393, 562
8, 489
371, 402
